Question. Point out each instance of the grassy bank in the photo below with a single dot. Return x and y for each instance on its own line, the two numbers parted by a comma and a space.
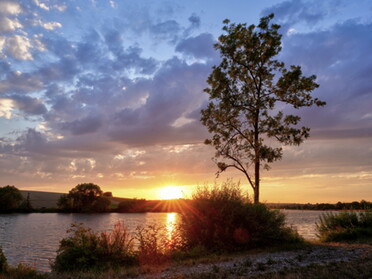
347, 226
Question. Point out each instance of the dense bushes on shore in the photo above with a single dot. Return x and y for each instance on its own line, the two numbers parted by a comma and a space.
84, 249
345, 226
221, 217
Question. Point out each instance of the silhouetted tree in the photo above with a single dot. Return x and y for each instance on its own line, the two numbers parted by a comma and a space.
107, 194
102, 204
10, 198
26, 205
86, 197
246, 91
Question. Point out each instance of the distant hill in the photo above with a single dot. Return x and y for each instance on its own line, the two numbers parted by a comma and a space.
42, 199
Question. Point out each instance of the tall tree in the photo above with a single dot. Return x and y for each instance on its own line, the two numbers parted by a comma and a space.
246, 91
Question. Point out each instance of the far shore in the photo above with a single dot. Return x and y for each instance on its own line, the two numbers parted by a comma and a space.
46, 202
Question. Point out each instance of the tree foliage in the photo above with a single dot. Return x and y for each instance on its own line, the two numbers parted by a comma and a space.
10, 198
86, 197
247, 90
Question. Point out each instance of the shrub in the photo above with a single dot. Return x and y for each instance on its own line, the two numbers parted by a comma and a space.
22, 272
3, 261
222, 217
151, 247
85, 249
345, 226
157, 245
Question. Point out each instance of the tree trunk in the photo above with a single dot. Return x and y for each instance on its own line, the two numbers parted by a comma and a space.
257, 156
257, 182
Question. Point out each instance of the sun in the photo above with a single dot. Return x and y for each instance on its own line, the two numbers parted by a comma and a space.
170, 192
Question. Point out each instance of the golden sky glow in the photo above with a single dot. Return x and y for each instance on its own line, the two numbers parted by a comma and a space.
170, 192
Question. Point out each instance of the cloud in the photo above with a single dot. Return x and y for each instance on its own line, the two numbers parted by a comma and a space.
30, 106
19, 47
174, 92
10, 7
290, 12
16, 40
17, 82
41, 5
7, 24
340, 58
195, 21
166, 30
86, 125
200, 46
6, 107
50, 25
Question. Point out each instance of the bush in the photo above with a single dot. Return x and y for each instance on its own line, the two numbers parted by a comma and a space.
345, 226
3, 261
151, 246
222, 217
85, 249
157, 245
22, 272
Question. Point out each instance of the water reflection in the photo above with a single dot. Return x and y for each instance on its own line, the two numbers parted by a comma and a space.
171, 224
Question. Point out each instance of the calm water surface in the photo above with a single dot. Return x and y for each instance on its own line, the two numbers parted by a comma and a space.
34, 238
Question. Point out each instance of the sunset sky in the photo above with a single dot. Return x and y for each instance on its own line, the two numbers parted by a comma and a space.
110, 92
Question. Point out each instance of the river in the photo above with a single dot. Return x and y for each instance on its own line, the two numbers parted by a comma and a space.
34, 238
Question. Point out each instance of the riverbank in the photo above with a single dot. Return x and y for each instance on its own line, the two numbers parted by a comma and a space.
268, 264
313, 260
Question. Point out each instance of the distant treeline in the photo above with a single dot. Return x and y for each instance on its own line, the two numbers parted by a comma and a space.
85, 198
89, 198
355, 205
